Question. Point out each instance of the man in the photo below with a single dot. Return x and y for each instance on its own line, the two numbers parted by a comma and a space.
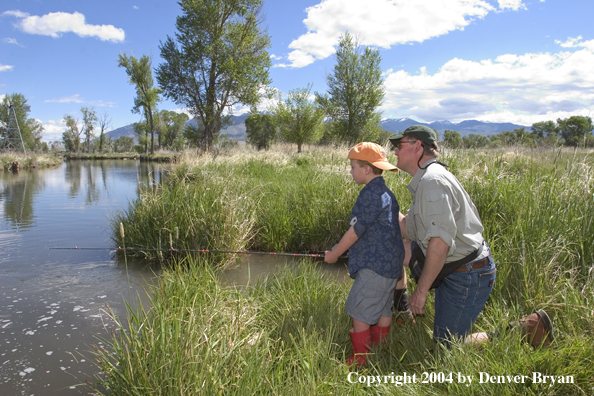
446, 228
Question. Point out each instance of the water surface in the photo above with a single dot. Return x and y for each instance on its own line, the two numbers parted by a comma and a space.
53, 302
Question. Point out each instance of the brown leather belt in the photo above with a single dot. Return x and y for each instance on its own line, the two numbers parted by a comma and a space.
476, 265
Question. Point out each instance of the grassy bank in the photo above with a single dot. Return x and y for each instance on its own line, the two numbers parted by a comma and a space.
29, 161
288, 335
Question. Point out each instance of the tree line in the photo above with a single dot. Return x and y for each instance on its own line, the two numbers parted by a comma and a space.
575, 131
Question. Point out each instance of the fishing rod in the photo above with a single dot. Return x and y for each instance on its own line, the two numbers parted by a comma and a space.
195, 251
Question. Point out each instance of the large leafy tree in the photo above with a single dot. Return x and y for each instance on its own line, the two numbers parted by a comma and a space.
147, 95
170, 126
299, 119
31, 129
575, 129
355, 91
217, 60
452, 139
260, 130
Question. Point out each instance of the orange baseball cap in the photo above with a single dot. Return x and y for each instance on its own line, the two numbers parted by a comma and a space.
372, 153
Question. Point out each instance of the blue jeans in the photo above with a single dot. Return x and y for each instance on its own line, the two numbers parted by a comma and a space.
460, 299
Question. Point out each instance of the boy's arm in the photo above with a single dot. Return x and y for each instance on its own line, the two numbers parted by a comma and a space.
402, 223
350, 237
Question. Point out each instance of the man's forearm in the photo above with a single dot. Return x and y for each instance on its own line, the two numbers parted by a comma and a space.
437, 252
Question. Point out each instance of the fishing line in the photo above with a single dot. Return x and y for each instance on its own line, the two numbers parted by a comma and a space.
196, 251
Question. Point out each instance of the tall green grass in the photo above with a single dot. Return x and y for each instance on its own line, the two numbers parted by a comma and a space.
288, 335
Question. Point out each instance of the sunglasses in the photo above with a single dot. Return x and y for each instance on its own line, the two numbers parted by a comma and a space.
399, 147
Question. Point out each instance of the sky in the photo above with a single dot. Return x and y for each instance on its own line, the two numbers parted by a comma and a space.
519, 61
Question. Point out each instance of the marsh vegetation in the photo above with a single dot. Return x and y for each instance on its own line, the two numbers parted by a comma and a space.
288, 334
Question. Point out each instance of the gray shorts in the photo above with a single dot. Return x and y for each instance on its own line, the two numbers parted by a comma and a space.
371, 297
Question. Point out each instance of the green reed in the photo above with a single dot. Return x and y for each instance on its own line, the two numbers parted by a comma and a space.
288, 335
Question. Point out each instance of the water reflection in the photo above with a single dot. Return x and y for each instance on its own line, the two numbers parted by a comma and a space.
17, 191
53, 301
89, 179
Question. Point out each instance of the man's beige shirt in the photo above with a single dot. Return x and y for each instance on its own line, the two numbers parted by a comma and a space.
441, 208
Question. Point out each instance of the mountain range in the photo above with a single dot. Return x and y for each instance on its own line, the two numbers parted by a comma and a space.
237, 130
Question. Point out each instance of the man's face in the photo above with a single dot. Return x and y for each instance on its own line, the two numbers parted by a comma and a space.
407, 153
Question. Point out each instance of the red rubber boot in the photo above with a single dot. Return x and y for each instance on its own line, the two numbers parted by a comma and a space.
378, 334
361, 342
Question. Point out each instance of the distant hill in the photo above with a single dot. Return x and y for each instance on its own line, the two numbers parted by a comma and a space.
237, 130
463, 128
127, 130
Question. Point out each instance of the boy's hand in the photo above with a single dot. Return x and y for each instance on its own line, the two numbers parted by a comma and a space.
330, 257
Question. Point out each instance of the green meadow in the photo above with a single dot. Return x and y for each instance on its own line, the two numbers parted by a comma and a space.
288, 334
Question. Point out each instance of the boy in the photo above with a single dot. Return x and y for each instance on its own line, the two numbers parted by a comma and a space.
376, 251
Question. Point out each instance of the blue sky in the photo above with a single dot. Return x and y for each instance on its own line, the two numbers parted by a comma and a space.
520, 61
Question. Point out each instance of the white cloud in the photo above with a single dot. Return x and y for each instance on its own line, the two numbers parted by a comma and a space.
56, 23
77, 99
381, 23
52, 130
4, 68
511, 4
68, 99
100, 103
574, 42
9, 40
136, 7
518, 88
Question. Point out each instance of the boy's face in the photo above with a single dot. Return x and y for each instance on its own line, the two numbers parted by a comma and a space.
359, 172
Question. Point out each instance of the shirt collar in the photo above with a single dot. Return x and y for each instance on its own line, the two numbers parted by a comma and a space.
414, 183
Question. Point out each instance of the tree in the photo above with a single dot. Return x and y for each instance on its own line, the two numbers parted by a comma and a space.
218, 60
141, 130
147, 96
88, 124
31, 129
452, 139
74, 132
123, 144
194, 134
355, 91
104, 121
170, 126
71, 135
260, 130
299, 119
544, 129
474, 140
575, 129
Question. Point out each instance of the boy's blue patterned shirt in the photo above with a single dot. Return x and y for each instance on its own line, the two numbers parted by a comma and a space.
375, 220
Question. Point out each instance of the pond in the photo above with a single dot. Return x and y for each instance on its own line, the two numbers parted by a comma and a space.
54, 301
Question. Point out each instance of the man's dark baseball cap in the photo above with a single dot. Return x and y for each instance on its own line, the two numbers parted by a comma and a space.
421, 132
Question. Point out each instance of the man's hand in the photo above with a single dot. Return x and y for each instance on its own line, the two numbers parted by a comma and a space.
416, 302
